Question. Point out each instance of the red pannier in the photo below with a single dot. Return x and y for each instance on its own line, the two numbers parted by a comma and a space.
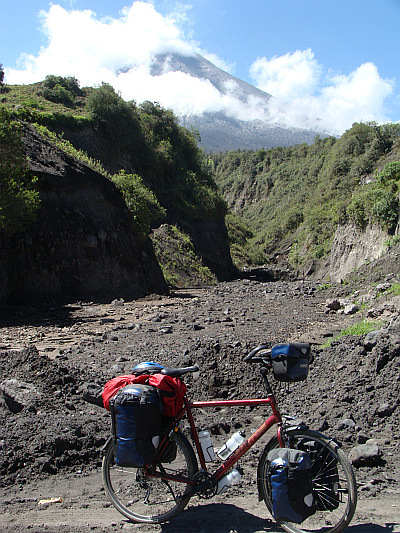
171, 390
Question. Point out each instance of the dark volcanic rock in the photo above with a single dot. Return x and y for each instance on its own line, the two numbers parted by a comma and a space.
84, 243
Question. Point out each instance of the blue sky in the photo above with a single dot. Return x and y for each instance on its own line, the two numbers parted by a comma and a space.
330, 62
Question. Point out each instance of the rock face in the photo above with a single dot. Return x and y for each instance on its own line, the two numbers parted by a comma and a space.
208, 233
353, 247
84, 243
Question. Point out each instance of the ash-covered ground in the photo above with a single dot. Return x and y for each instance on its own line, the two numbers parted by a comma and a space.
51, 438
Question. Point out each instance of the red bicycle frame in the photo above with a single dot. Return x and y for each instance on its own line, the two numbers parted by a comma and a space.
275, 418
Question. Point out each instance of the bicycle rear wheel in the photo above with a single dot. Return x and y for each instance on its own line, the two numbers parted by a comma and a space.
143, 498
334, 483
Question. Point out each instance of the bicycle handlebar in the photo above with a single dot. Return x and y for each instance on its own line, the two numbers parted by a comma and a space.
264, 358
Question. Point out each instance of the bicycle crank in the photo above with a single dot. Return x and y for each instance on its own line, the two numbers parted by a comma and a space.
205, 486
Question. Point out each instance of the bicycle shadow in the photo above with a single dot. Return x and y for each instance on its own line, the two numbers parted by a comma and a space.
228, 518
373, 528
219, 518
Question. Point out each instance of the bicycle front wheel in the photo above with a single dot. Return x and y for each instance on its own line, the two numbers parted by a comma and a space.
144, 498
334, 483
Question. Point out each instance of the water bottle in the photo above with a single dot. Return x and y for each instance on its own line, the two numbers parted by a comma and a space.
207, 446
230, 446
227, 481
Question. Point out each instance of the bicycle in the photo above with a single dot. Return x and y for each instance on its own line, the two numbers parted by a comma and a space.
158, 492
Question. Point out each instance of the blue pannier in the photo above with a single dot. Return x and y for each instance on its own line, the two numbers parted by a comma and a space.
290, 361
136, 412
290, 480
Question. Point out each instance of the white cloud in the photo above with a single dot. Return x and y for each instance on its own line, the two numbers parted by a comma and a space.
288, 76
308, 98
96, 50
93, 50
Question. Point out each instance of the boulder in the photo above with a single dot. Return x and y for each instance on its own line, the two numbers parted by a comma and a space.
367, 454
19, 395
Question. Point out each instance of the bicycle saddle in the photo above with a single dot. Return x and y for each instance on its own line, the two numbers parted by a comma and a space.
176, 372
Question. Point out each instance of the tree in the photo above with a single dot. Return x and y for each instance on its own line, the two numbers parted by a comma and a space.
1, 75
18, 201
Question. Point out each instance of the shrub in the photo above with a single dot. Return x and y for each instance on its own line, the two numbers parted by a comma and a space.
140, 200
19, 202
390, 173
59, 89
386, 208
180, 264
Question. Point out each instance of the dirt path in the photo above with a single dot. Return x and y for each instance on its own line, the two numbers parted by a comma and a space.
85, 509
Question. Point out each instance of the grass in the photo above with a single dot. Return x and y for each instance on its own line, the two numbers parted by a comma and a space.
394, 289
27, 96
69, 149
324, 286
392, 241
359, 329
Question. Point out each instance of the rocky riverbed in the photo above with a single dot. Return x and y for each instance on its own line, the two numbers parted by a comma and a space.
51, 358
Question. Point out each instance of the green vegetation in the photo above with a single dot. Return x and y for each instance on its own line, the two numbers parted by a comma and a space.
295, 197
69, 148
61, 90
392, 241
163, 153
242, 247
34, 97
361, 328
378, 201
142, 202
324, 286
394, 290
282, 200
19, 201
177, 258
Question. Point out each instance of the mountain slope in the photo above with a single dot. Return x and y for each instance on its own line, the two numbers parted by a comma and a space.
199, 67
223, 130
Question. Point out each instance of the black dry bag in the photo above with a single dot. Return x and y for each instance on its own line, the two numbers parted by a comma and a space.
137, 424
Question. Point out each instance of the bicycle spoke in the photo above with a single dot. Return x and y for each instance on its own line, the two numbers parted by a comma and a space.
334, 485
145, 496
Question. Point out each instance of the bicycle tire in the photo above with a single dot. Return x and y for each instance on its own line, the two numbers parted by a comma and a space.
142, 498
328, 460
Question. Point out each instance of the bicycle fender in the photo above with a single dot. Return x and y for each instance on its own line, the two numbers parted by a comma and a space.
106, 443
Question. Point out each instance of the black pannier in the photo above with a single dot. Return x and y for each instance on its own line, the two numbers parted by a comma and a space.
290, 482
137, 424
325, 475
168, 448
290, 361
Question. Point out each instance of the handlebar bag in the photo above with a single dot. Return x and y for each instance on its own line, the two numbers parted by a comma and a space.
136, 412
290, 480
290, 361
